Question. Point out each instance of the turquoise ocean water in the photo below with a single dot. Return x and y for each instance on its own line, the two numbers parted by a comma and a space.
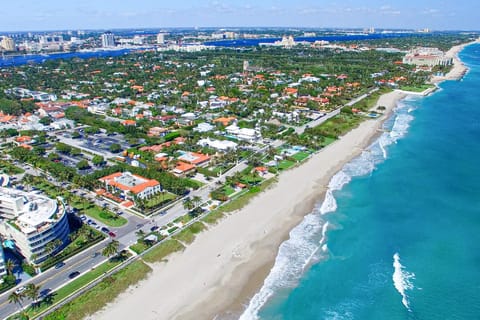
398, 235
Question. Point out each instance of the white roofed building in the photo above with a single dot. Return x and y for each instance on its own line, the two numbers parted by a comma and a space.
33, 221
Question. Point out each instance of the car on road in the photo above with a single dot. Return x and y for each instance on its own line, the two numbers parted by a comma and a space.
154, 228
21, 289
74, 274
112, 234
45, 292
59, 265
104, 229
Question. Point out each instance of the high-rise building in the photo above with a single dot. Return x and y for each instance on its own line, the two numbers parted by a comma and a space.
3, 270
161, 38
108, 39
7, 44
37, 225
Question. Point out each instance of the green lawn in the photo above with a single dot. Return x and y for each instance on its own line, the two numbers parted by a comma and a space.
419, 88
228, 190
139, 247
300, 156
159, 199
9, 168
285, 164
105, 216
103, 293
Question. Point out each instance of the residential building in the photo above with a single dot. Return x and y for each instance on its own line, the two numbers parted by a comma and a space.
33, 222
245, 134
427, 57
182, 169
161, 38
220, 145
3, 269
7, 44
130, 185
108, 39
203, 127
195, 158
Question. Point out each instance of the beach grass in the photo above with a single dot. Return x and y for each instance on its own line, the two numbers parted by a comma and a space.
187, 235
213, 217
241, 200
158, 253
106, 291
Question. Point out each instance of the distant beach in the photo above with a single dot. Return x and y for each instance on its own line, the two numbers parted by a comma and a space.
221, 270
458, 70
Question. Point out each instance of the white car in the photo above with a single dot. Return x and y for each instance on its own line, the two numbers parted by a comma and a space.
20, 290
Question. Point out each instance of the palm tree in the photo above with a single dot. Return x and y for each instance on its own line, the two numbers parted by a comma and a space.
10, 265
33, 292
140, 234
196, 201
188, 204
16, 298
111, 249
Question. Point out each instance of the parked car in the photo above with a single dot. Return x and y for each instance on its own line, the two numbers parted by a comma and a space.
74, 274
20, 289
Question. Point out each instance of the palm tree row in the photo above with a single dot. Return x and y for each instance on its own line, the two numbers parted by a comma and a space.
32, 291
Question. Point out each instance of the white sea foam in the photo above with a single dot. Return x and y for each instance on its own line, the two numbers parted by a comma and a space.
402, 280
303, 245
293, 256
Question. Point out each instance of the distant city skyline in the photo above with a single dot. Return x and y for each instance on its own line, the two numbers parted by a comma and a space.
29, 15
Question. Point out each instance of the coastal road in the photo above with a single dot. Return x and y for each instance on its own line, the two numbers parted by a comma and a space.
54, 278
319, 121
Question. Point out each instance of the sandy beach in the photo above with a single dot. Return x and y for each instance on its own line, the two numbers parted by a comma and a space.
224, 267
459, 69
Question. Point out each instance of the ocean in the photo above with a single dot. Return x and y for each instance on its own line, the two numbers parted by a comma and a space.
398, 234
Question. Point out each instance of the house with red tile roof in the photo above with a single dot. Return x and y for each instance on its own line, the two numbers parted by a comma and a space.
195, 158
129, 123
182, 169
130, 185
225, 121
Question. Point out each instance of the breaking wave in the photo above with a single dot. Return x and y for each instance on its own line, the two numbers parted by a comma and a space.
308, 240
402, 280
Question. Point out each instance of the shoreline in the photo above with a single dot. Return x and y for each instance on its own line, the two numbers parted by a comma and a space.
459, 69
217, 275
224, 267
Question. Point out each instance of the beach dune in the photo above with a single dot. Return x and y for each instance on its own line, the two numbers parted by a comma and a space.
221, 270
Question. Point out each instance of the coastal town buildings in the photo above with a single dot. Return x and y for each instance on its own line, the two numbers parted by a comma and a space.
3, 270
37, 225
130, 185
427, 57
7, 44
108, 39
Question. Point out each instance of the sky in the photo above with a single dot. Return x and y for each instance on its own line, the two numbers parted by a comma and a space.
33, 15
